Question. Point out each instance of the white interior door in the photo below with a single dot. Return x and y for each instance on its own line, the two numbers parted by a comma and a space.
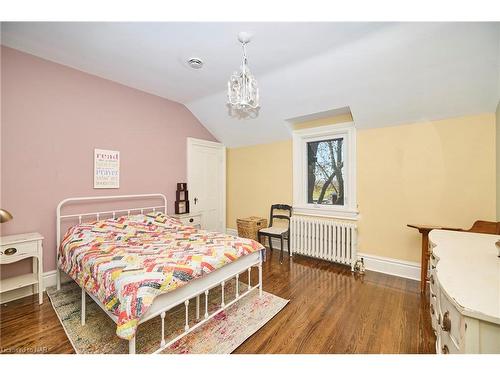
206, 179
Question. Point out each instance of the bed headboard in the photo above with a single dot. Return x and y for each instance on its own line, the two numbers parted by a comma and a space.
109, 212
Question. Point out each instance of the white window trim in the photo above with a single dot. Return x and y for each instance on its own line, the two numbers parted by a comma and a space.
300, 139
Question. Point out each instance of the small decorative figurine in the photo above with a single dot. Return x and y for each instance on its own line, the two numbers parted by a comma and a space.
359, 266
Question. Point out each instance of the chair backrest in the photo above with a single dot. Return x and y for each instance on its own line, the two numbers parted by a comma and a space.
280, 207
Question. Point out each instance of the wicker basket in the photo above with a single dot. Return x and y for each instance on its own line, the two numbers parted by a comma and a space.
249, 227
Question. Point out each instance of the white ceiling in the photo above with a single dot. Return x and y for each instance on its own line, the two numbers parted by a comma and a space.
387, 73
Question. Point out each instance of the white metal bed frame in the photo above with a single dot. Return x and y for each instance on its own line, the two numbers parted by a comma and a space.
184, 294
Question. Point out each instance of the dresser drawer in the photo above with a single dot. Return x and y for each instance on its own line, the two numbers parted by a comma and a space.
13, 253
434, 295
433, 260
446, 344
433, 282
434, 310
452, 322
434, 291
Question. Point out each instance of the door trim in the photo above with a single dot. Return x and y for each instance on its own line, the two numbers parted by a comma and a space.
201, 142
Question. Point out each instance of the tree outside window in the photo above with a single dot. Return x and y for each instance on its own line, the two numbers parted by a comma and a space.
325, 172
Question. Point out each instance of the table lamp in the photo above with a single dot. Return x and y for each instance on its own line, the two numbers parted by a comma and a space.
5, 216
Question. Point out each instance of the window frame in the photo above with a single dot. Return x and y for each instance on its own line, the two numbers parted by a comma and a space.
347, 131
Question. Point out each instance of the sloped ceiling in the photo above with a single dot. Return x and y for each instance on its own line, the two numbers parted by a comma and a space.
386, 73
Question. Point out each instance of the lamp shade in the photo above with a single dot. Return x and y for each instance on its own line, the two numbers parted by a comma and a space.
5, 216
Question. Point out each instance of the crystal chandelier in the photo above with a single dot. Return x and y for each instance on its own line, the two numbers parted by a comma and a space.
242, 90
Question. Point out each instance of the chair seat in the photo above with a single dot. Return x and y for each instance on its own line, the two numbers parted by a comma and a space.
273, 230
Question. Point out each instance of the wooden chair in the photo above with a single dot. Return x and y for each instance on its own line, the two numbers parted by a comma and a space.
283, 233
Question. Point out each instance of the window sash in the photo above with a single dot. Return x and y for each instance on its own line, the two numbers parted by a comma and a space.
306, 141
300, 168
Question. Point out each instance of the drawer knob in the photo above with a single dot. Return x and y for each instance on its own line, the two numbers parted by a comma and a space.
191, 220
10, 251
445, 350
446, 322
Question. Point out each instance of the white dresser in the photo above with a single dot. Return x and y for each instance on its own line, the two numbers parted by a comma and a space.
465, 292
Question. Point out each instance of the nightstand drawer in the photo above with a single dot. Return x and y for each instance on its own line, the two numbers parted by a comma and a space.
14, 252
191, 221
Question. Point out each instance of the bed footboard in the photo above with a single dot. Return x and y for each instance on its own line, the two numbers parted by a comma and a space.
162, 312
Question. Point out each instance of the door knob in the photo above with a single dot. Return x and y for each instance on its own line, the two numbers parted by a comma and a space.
195, 200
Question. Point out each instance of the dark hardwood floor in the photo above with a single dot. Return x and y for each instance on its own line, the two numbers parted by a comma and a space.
330, 311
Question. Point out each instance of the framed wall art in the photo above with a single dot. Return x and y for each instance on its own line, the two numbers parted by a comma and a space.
106, 169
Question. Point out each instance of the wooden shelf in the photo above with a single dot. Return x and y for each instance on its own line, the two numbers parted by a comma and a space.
18, 282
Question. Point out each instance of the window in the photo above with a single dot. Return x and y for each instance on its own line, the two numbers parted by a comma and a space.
324, 170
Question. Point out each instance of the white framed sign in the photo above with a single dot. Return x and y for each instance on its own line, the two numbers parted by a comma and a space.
106, 169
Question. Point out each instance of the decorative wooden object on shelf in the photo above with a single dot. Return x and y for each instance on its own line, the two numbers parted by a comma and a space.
181, 199
479, 226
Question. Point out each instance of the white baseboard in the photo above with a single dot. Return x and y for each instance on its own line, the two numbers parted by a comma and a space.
49, 279
390, 266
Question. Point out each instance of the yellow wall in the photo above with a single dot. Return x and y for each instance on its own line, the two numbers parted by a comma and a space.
257, 177
498, 159
440, 172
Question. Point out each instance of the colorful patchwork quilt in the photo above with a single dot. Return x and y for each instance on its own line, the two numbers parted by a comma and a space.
128, 261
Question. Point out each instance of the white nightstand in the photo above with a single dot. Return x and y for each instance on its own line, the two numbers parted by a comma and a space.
21, 246
191, 219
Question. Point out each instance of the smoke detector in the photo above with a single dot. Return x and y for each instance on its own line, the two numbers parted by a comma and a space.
195, 63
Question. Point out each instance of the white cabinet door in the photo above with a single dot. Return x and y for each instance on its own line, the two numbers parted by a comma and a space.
207, 182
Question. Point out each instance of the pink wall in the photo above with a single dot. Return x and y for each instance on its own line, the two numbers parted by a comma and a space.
52, 119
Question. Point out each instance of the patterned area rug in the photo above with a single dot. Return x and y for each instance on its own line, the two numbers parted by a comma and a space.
220, 335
